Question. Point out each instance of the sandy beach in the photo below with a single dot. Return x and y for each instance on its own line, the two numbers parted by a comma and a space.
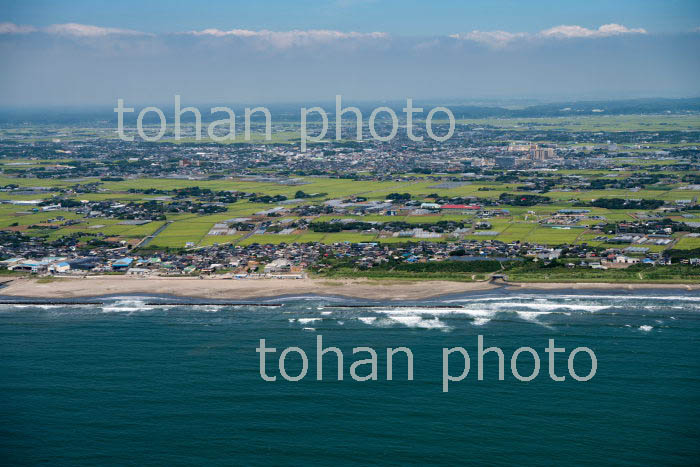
92, 286
234, 289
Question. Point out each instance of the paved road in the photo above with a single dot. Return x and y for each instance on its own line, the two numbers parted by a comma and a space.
150, 238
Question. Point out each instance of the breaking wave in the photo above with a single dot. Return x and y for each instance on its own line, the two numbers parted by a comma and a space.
307, 320
419, 322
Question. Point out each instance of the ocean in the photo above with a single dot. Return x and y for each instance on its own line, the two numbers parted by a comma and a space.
137, 381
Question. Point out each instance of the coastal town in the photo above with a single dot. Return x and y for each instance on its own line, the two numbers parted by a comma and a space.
99, 254
76, 206
349, 232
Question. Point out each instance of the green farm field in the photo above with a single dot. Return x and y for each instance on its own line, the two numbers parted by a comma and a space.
521, 223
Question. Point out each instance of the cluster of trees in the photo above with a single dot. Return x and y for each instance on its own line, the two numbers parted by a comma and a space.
191, 191
677, 255
257, 198
328, 227
431, 269
206, 194
621, 203
148, 191
399, 196
302, 195
64, 203
447, 266
523, 200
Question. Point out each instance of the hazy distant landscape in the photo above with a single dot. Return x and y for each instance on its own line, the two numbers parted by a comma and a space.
606, 197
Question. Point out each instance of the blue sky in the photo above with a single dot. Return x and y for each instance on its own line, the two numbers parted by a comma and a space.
403, 17
79, 52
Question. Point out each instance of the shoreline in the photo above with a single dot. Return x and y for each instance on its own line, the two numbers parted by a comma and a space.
394, 290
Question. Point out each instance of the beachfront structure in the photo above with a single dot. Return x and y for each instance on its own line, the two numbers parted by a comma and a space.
278, 265
9, 263
122, 264
38, 266
58, 268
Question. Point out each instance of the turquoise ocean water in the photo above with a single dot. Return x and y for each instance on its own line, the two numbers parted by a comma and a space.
128, 383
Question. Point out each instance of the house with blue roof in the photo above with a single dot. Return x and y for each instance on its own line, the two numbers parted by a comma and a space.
122, 264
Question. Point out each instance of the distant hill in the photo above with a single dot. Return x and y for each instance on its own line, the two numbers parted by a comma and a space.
607, 107
290, 112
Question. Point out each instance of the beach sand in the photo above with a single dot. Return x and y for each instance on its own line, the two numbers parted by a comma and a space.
234, 289
92, 286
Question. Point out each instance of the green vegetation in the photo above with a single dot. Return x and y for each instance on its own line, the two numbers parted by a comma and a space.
443, 270
593, 123
674, 274
518, 271
519, 224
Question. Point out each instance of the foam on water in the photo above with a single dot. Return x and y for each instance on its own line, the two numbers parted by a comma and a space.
483, 316
122, 309
477, 311
532, 315
419, 322
682, 298
307, 320
12, 307
208, 308
480, 321
489, 299
427, 311
555, 306
568, 297
480, 316
129, 298
126, 305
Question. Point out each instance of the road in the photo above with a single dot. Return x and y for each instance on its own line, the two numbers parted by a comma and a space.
150, 238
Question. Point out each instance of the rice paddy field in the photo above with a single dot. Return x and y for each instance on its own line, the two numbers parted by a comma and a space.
593, 123
518, 224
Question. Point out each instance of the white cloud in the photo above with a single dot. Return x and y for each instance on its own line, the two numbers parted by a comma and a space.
500, 39
605, 30
12, 28
284, 39
86, 30
496, 39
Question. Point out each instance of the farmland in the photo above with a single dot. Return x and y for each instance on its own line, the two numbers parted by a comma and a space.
520, 224
619, 189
